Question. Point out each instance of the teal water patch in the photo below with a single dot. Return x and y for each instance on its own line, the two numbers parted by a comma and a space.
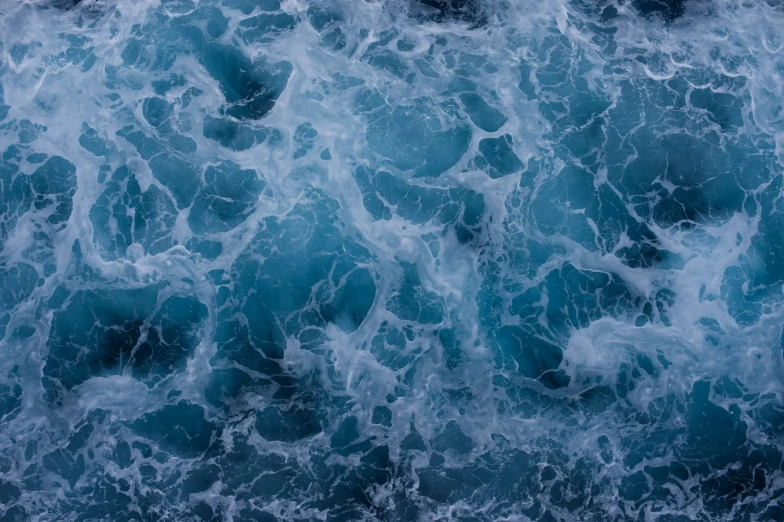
406, 260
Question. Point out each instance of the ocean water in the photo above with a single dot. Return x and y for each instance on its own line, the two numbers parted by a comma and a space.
393, 260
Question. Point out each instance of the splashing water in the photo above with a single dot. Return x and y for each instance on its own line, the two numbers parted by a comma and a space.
391, 260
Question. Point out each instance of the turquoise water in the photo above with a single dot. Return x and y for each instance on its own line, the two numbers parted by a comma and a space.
391, 260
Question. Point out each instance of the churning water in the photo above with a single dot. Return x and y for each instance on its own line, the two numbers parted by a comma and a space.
391, 260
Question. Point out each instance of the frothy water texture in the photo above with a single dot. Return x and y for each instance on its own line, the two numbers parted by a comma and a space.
391, 260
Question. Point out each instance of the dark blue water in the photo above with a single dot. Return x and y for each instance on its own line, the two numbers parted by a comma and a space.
398, 260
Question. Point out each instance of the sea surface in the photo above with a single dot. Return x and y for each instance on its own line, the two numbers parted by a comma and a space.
395, 260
